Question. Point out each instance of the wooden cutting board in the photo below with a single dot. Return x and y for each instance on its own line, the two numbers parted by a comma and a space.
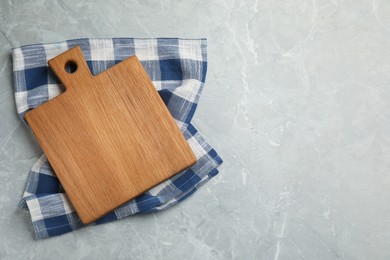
108, 137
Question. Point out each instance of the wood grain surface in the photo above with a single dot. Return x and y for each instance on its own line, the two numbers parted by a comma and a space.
108, 137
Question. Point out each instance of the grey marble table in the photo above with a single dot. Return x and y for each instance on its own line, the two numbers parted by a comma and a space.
296, 102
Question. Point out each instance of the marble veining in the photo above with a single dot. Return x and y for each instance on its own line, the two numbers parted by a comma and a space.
296, 102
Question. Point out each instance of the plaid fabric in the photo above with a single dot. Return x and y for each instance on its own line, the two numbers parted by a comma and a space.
177, 68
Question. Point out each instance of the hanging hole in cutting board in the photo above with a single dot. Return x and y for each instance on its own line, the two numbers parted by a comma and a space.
70, 67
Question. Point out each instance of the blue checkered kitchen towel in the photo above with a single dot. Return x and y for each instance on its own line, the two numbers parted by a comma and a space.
177, 68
